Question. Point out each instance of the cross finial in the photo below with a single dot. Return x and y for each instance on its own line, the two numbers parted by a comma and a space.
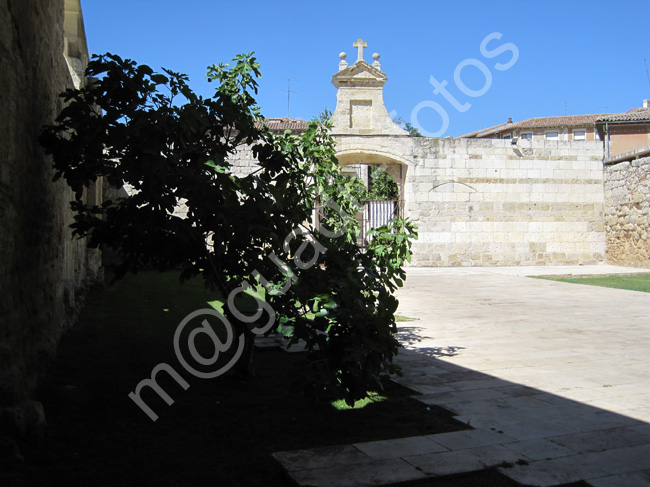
360, 45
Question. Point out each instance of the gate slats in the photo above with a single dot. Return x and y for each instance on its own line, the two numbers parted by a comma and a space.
376, 214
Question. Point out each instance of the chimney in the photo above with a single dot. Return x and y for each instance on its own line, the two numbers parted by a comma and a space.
646, 103
510, 118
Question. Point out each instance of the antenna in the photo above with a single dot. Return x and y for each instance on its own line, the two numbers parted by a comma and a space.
288, 91
565, 110
646, 69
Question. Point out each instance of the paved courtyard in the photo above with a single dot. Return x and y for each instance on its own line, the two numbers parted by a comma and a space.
553, 377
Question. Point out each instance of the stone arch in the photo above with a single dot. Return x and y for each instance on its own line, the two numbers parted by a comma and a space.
396, 167
375, 213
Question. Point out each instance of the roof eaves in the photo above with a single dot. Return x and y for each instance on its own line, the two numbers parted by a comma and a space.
485, 131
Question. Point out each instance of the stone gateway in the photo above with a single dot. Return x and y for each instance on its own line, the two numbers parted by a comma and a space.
475, 201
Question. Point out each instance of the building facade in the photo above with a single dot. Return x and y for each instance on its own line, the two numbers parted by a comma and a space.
619, 133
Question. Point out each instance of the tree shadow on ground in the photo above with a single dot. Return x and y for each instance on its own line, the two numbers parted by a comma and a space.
412, 336
218, 431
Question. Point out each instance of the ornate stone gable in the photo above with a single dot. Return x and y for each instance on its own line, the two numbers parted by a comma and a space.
360, 108
358, 75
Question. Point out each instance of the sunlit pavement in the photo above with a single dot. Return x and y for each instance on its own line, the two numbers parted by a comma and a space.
553, 377
587, 343
562, 369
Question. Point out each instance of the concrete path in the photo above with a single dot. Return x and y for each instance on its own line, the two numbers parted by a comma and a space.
553, 377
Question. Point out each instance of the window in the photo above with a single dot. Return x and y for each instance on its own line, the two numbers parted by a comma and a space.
579, 135
527, 136
507, 136
552, 136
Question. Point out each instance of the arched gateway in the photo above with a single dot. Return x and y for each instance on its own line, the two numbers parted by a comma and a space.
475, 202
365, 134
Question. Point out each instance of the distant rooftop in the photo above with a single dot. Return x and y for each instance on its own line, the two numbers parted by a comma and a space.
633, 115
488, 130
281, 124
539, 122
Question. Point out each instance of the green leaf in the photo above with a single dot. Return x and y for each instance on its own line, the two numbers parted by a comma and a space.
216, 167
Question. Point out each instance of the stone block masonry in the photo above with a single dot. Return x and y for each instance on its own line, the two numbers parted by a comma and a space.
44, 274
505, 204
627, 212
489, 202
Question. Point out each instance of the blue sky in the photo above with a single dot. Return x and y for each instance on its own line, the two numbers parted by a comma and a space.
574, 57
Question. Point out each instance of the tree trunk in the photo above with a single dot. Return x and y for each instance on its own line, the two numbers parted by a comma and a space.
244, 368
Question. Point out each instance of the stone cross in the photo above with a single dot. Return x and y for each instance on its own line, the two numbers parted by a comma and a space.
360, 45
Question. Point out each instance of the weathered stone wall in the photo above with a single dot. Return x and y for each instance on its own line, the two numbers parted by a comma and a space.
627, 212
43, 272
491, 203
484, 202
243, 162
488, 202
476, 201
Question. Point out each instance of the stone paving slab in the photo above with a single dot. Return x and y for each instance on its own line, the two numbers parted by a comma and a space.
554, 377
594, 441
459, 440
314, 458
597, 421
626, 480
372, 473
535, 429
582, 349
401, 447
620, 460
556, 471
465, 460
540, 449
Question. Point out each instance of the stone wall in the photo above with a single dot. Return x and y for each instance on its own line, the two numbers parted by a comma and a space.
488, 202
484, 202
627, 212
243, 161
476, 201
43, 272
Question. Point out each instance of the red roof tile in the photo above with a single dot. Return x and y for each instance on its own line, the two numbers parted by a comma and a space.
282, 124
631, 116
634, 115
486, 131
565, 121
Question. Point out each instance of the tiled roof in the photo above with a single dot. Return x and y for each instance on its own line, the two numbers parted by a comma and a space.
282, 124
565, 121
487, 131
537, 122
631, 116
634, 115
